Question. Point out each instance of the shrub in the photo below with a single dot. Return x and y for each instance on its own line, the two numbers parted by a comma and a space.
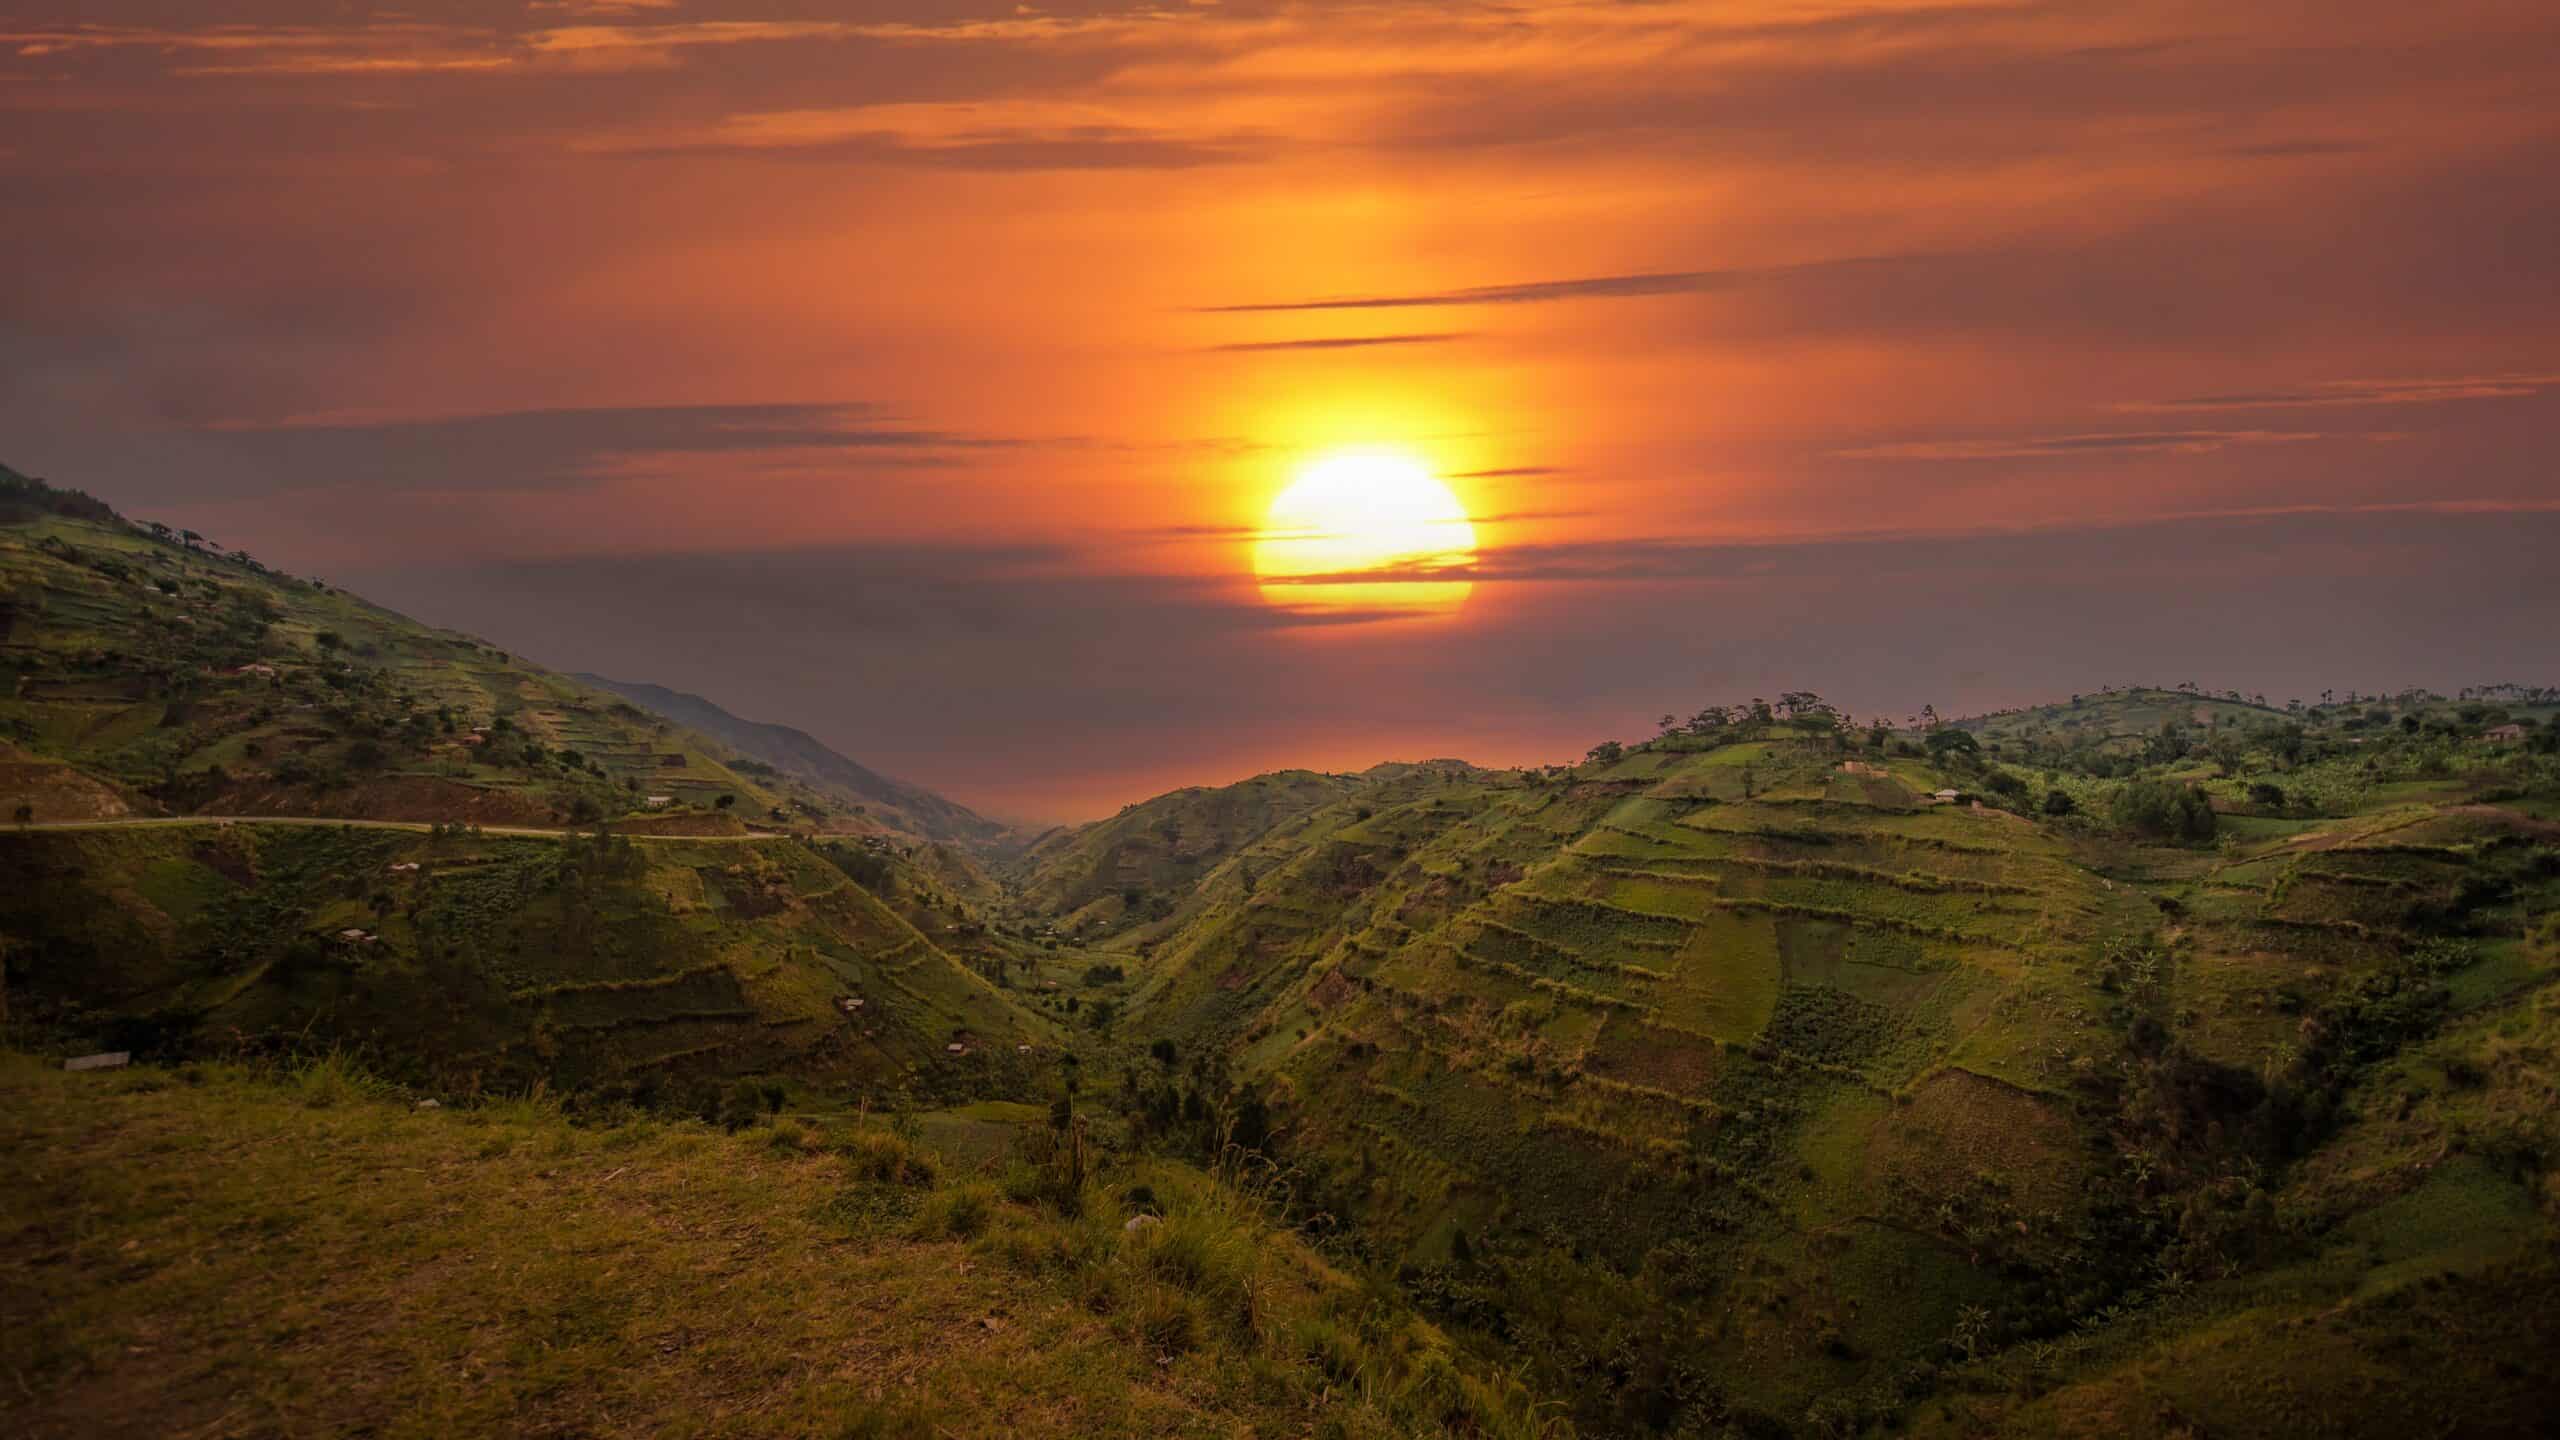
960, 1213
2164, 809
880, 1158
1168, 1322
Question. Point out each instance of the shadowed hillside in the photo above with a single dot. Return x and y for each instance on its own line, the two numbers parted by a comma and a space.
649, 967
890, 804
148, 671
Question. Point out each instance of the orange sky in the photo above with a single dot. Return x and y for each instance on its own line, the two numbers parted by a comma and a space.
911, 371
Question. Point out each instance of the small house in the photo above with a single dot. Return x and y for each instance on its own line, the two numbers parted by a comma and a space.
404, 867
657, 802
956, 1048
355, 937
2504, 735
1945, 797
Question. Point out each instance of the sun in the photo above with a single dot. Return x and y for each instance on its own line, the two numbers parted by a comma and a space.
1362, 513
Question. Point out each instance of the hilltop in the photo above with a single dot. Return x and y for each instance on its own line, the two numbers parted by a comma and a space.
149, 671
872, 798
1735, 1079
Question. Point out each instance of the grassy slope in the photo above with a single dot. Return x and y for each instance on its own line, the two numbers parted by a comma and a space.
1076, 878
215, 1254
132, 685
890, 805
1875, 1049
2129, 714
648, 965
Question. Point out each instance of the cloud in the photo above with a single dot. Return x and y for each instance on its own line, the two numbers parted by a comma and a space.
987, 134
1341, 342
546, 449
2146, 442
1635, 559
2336, 394
2296, 149
1510, 472
1639, 285
1599, 287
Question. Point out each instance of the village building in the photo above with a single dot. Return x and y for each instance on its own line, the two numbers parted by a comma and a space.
2504, 735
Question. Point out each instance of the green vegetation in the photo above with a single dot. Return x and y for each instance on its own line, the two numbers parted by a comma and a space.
2154, 1063
143, 671
223, 1250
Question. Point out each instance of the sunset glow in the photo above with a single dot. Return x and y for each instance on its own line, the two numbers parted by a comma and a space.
986, 335
1362, 513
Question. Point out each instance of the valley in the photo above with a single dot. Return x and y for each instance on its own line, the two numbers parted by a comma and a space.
2146, 1063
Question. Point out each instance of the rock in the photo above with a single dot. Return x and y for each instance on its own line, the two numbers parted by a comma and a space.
429, 1105
110, 1060
1140, 1224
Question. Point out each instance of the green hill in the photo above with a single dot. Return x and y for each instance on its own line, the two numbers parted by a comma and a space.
2152, 1063
1737, 1083
653, 967
1122, 877
147, 671
875, 799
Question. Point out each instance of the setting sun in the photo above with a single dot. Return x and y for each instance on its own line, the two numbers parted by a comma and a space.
1364, 513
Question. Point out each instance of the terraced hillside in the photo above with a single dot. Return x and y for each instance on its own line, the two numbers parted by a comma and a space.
1116, 875
648, 967
144, 671
1730, 1082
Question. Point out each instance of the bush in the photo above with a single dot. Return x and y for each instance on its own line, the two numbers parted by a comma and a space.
2059, 802
960, 1213
879, 1158
2164, 809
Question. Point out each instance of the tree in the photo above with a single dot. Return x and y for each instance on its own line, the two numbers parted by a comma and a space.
724, 802
329, 640
2059, 803
25, 814
1607, 752
2164, 809
1947, 739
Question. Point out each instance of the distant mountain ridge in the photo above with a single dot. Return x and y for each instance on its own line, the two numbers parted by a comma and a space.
797, 752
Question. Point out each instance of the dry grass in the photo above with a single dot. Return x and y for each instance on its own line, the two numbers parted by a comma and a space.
218, 1253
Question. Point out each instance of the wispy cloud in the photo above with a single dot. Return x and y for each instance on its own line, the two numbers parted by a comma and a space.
1637, 285
1635, 559
2141, 442
1342, 342
543, 449
2336, 394
993, 134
